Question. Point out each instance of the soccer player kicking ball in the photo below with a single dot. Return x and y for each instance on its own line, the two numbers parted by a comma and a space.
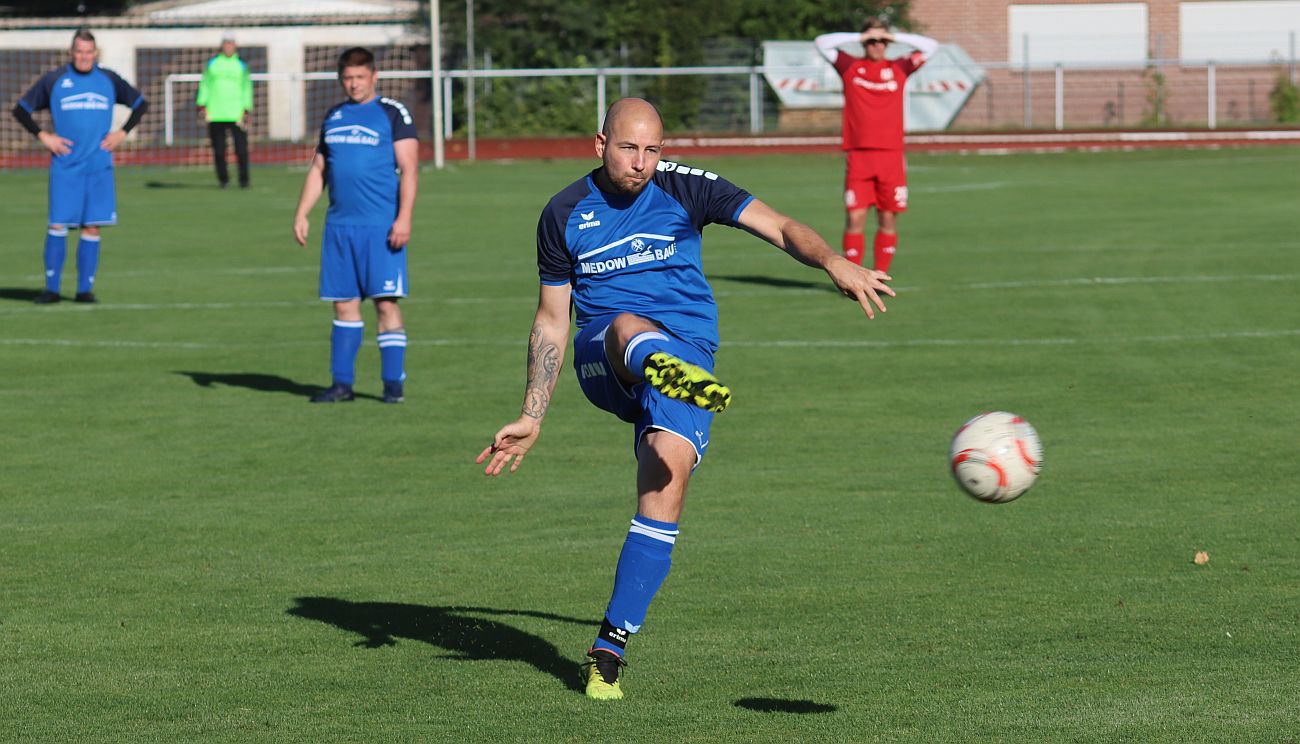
80, 97
873, 133
623, 244
369, 155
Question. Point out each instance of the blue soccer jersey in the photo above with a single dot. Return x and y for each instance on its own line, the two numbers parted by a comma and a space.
640, 254
356, 140
82, 107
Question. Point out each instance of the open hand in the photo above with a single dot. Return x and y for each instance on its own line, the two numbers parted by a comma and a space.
861, 284
512, 442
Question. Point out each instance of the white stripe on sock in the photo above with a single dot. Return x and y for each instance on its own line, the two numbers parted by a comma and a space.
350, 323
668, 536
59, 233
635, 342
89, 238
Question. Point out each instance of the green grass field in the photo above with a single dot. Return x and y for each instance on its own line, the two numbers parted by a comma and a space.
189, 551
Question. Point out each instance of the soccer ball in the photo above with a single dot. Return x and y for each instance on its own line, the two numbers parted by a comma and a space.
996, 456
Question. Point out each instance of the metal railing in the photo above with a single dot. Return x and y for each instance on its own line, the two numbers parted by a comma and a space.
292, 111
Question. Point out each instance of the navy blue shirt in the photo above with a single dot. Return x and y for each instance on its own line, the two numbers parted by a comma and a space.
81, 105
360, 167
640, 254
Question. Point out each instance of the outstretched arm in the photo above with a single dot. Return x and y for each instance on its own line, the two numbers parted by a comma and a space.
546, 344
806, 246
829, 44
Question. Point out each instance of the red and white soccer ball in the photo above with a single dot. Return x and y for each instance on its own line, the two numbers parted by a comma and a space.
996, 456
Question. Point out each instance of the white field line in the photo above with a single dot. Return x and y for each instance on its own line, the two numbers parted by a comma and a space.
762, 343
1094, 281
985, 186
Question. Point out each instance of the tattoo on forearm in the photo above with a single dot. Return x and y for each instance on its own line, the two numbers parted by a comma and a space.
543, 366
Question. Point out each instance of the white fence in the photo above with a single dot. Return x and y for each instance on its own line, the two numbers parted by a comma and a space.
1195, 87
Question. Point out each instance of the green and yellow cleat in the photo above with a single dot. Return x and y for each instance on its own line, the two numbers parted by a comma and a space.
681, 380
600, 675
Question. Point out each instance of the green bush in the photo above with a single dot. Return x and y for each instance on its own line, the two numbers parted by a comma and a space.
1284, 99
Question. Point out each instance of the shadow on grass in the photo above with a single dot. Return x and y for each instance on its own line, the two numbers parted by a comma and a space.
180, 185
21, 294
260, 382
771, 281
459, 630
777, 705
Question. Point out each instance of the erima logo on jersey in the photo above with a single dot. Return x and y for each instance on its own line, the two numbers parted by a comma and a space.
588, 220
84, 102
668, 166
352, 134
67, 83
336, 116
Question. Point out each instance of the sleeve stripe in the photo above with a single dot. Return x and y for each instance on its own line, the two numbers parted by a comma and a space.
735, 217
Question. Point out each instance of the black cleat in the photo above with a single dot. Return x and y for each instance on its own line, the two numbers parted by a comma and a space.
393, 392
337, 393
88, 297
46, 297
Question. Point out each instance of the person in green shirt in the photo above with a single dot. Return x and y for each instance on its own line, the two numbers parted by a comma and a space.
225, 97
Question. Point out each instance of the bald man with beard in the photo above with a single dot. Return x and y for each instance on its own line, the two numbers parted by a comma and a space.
623, 245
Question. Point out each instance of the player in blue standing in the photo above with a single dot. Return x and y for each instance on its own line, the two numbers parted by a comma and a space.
622, 244
80, 97
368, 154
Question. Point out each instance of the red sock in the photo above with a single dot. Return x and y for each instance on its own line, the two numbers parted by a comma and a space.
855, 244
883, 250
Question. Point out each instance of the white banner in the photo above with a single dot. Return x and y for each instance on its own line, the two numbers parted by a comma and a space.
803, 79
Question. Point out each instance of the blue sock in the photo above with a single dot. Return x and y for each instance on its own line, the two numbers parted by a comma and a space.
56, 249
392, 355
641, 346
642, 567
87, 262
345, 342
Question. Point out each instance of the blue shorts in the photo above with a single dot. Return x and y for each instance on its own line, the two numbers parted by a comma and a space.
640, 404
82, 196
356, 262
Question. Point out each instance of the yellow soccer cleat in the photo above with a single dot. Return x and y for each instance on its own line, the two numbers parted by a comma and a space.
600, 675
681, 380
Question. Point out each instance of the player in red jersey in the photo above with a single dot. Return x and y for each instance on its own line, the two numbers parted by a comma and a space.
873, 132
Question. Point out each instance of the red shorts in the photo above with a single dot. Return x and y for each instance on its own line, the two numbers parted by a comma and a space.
876, 178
